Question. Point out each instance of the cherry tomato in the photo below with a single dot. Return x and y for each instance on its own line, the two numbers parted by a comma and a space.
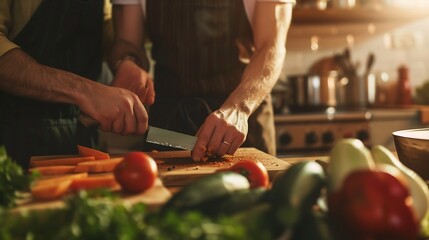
254, 171
137, 172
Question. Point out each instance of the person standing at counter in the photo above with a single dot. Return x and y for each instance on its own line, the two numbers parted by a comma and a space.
203, 83
50, 55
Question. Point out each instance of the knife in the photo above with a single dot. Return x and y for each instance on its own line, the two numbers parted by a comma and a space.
169, 138
157, 135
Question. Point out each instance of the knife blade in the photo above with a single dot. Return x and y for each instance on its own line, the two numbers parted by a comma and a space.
169, 138
156, 135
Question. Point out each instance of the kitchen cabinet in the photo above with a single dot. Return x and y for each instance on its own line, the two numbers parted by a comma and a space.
312, 28
312, 16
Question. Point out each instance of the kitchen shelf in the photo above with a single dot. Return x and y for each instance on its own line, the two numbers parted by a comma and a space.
333, 26
305, 16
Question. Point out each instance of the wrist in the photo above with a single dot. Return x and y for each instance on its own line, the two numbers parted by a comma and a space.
127, 57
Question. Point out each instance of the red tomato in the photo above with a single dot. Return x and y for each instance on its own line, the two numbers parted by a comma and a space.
137, 172
254, 171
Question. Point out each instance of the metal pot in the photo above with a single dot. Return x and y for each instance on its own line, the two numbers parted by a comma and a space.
319, 92
312, 92
327, 85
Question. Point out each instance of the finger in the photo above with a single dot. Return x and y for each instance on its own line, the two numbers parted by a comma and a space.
203, 137
118, 124
226, 143
130, 123
150, 96
142, 93
215, 142
235, 144
106, 126
223, 148
141, 118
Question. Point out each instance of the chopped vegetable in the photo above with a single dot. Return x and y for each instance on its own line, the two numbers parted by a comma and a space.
50, 190
60, 161
54, 187
13, 179
107, 165
94, 182
90, 152
53, 170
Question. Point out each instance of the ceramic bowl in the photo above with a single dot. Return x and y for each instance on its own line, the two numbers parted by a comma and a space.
412, 147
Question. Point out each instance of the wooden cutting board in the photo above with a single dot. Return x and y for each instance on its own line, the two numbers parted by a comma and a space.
177, 168
153, 197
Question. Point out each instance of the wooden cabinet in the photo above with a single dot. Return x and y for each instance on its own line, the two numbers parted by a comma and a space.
309, 16
333, 28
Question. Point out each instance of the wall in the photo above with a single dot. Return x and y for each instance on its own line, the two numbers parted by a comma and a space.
392, 45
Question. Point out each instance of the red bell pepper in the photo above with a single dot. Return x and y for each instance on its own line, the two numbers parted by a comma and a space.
374, 204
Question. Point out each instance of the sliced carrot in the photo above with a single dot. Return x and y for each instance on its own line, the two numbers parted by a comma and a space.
51, 190
87, 152
53, 170
51, 187
57, 178
60, 161
94, 182
107, 165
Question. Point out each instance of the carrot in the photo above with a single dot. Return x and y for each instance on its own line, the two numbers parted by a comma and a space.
52, 187
53, 170
107, 165
87, 152
51, 190
94, 182
59, 161
57, 178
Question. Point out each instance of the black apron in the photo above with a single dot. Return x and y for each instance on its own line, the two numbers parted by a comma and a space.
198, 65
63, 34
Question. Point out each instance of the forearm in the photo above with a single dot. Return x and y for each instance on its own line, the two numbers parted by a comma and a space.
271, 24
21, 75
127, 22
258, 79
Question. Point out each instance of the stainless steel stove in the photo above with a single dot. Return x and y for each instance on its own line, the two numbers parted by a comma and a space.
314, 133
308, 133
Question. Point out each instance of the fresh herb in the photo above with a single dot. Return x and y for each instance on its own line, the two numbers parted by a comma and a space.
13, 180
105, 217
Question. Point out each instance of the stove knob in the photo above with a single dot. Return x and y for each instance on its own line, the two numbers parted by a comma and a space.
311, 138
362, 135
285, 139
328, 137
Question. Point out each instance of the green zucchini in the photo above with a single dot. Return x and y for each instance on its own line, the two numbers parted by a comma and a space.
296, 191
241, 200
314, 225
258, 221
205, 193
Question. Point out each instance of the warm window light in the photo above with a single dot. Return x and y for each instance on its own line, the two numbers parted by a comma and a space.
350, 40
371, 28
314, 43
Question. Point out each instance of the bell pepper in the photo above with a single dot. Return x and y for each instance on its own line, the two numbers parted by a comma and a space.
368, 200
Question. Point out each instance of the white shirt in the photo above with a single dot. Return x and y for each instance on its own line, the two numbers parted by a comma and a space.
249, 5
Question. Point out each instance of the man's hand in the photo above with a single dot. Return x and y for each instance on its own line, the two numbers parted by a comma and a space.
222, 133
117, 110
131, 77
